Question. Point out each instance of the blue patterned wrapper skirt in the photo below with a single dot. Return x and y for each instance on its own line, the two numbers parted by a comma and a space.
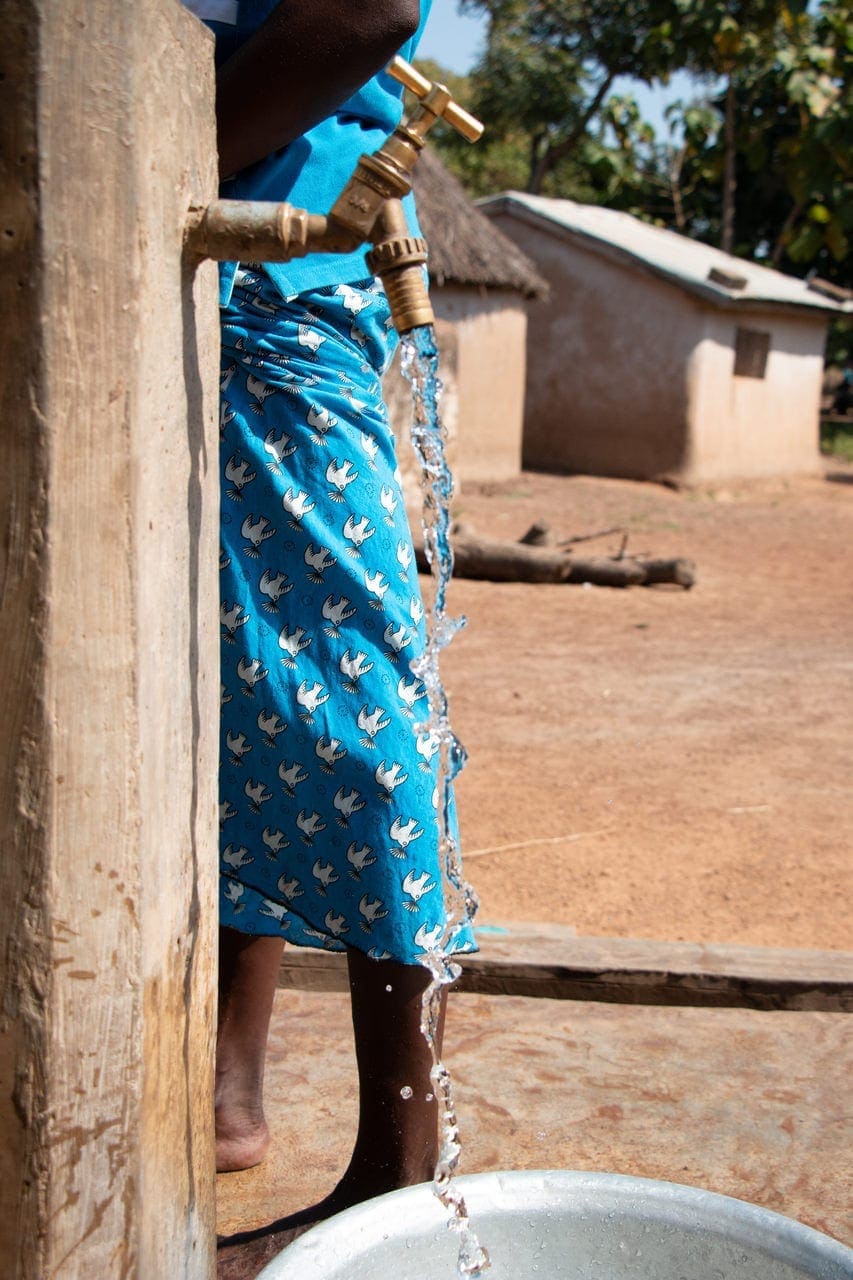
328, 783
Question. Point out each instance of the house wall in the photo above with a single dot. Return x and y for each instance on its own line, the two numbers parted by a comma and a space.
607, 358
629, 375
482, 356
491, 356
748, 426
398, 397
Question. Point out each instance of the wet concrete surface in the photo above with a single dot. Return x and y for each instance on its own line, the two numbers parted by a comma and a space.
749, 1104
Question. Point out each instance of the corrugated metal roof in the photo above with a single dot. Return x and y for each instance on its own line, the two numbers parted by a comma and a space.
716, 276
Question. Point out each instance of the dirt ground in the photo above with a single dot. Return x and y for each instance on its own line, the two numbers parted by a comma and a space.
661, 763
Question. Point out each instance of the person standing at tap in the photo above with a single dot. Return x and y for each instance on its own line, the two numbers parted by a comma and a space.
328, 789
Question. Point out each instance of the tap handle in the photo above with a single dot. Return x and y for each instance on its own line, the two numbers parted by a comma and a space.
411, 79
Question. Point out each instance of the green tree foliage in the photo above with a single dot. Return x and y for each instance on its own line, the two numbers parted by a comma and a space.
793, 149
763, 158
550, 65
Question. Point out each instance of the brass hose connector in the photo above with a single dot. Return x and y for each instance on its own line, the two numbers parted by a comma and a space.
399, 262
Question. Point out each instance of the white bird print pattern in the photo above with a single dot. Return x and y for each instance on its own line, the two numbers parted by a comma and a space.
291, 775
347, 803
298, 504
321, 422
279, 448
340, 476
319, 560
326, 750
236, 858
371, 911
292, 644
273, 585
377, 585
370, 724
353, 668
275, 841
256, 533
336, 612
310, 697
328, 771
390, 778
259, 391
360, 857
271, 725
357, 532
310, 824
251, 671
238, 746
403, 833
238, 474
415, 886
232, 618
324, 873
310, 338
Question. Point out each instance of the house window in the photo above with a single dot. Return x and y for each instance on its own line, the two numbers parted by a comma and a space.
751, 348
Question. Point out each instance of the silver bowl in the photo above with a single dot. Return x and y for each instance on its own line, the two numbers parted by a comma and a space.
566, 1226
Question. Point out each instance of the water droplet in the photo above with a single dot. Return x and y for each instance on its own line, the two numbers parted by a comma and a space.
406, 1092
541, 1134
430, 1097
389, 987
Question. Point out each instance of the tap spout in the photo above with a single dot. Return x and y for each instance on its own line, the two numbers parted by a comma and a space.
368, 211
398, 258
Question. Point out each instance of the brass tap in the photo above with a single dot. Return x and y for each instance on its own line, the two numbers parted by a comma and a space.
368, 210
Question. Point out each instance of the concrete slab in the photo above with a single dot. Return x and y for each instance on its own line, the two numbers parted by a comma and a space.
750, 1104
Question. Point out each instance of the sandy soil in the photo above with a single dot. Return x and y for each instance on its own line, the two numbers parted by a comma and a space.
661, 763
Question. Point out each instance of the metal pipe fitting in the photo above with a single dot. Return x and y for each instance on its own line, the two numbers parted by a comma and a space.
262, 231
367, 210
399, 259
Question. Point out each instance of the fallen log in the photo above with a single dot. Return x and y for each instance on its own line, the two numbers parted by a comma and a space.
680, 572
607, 571
496, 561
602, 571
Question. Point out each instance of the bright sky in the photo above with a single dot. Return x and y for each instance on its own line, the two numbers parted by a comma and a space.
450, 39
455, 42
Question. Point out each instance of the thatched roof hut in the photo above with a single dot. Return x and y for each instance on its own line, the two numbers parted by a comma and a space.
465, 247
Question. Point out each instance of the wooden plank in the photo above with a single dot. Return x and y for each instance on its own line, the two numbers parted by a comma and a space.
549, 961
108, 488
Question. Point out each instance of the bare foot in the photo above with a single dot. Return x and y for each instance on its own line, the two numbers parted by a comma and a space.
242, 1138
248, 969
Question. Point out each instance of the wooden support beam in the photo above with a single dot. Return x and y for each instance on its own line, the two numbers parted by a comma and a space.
549, 961
108, 636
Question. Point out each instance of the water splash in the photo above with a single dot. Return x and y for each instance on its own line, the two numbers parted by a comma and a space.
420, 367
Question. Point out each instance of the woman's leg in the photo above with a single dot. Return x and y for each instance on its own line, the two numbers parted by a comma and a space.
397, 1140
248, 971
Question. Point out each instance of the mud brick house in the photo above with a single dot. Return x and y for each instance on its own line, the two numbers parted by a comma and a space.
657, 357
480, 286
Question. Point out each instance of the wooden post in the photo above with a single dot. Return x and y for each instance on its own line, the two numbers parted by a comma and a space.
109, 672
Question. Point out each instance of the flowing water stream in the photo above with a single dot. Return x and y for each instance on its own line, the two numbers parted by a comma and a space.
420, 367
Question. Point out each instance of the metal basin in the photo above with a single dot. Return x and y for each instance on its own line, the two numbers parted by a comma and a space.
566, 1226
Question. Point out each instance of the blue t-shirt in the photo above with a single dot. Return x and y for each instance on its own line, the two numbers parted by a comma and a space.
312, 171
